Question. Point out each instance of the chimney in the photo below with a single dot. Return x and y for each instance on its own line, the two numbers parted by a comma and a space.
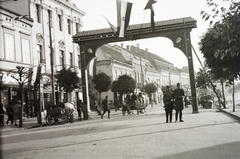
146, 49
127, 47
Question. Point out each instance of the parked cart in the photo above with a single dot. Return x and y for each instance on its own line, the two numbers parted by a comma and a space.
137, 105
60, 113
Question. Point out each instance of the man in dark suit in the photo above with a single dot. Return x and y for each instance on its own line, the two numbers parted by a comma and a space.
79, 108
106, 107
178, 96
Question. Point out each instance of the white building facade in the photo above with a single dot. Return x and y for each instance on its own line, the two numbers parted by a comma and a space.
64, 20
15, 50
38, 34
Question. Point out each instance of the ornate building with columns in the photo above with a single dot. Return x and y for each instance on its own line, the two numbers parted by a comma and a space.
37, 35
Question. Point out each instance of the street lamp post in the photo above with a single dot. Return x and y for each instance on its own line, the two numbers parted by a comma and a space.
51, 55
1, 76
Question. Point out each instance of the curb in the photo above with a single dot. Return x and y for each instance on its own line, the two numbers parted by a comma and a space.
230, 114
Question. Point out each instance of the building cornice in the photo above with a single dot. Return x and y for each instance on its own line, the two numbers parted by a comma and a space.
12, 12
70, 6
6, 27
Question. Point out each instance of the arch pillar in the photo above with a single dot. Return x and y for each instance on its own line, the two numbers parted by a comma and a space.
87, 53
182, 40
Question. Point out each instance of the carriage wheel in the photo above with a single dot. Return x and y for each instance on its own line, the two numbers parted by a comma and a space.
48, 120
63, 118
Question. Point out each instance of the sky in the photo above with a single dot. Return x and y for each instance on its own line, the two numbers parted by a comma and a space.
164, 10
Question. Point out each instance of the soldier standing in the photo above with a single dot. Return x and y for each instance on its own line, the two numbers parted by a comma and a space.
178, 96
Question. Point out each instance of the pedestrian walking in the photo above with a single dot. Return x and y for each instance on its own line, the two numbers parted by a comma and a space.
17, 111
134, 100
79, 108
106, 107
96, 105
151, 99
10, 114
178, 97
141, 98
134, 97
168, 99
116, 104
2, 112
38, 111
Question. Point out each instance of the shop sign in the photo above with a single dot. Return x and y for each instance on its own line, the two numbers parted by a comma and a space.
8, 79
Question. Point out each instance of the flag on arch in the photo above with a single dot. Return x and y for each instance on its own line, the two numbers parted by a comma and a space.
149, 5
112, 26
123, 16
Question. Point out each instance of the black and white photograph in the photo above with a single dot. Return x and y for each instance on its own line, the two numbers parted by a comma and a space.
119, 79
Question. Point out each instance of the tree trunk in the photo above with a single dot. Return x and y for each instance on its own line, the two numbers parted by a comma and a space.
21, 111
233, 97
215, 91
100, 102
224, 99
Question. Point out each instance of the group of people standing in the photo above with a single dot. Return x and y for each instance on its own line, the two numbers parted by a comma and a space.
173, 99
13, 113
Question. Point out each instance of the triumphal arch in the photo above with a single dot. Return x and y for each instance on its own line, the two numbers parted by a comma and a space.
177, 30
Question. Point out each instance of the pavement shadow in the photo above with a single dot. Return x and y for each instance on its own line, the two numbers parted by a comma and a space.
223, 151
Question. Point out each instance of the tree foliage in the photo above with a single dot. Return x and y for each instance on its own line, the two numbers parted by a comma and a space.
150, 88
102, 82
202, 79
124, 84
68, 79
220, 44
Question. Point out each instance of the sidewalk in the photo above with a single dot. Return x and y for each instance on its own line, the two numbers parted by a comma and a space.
229, 110
29, 123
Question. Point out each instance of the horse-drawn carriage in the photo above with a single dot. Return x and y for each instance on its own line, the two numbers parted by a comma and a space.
129, 106
60, 113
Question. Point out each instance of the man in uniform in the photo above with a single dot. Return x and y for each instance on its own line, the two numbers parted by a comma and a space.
178, 96
168, 103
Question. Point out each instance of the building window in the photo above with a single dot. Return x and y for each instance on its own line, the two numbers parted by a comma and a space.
9, 47
40, 54
71, 59
79, 61
60, 22
62, 58
38, 10
50, 18
77, 27
26, 50
69, 26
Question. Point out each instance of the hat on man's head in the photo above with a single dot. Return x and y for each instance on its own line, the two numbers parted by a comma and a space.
167, 87
178, 84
